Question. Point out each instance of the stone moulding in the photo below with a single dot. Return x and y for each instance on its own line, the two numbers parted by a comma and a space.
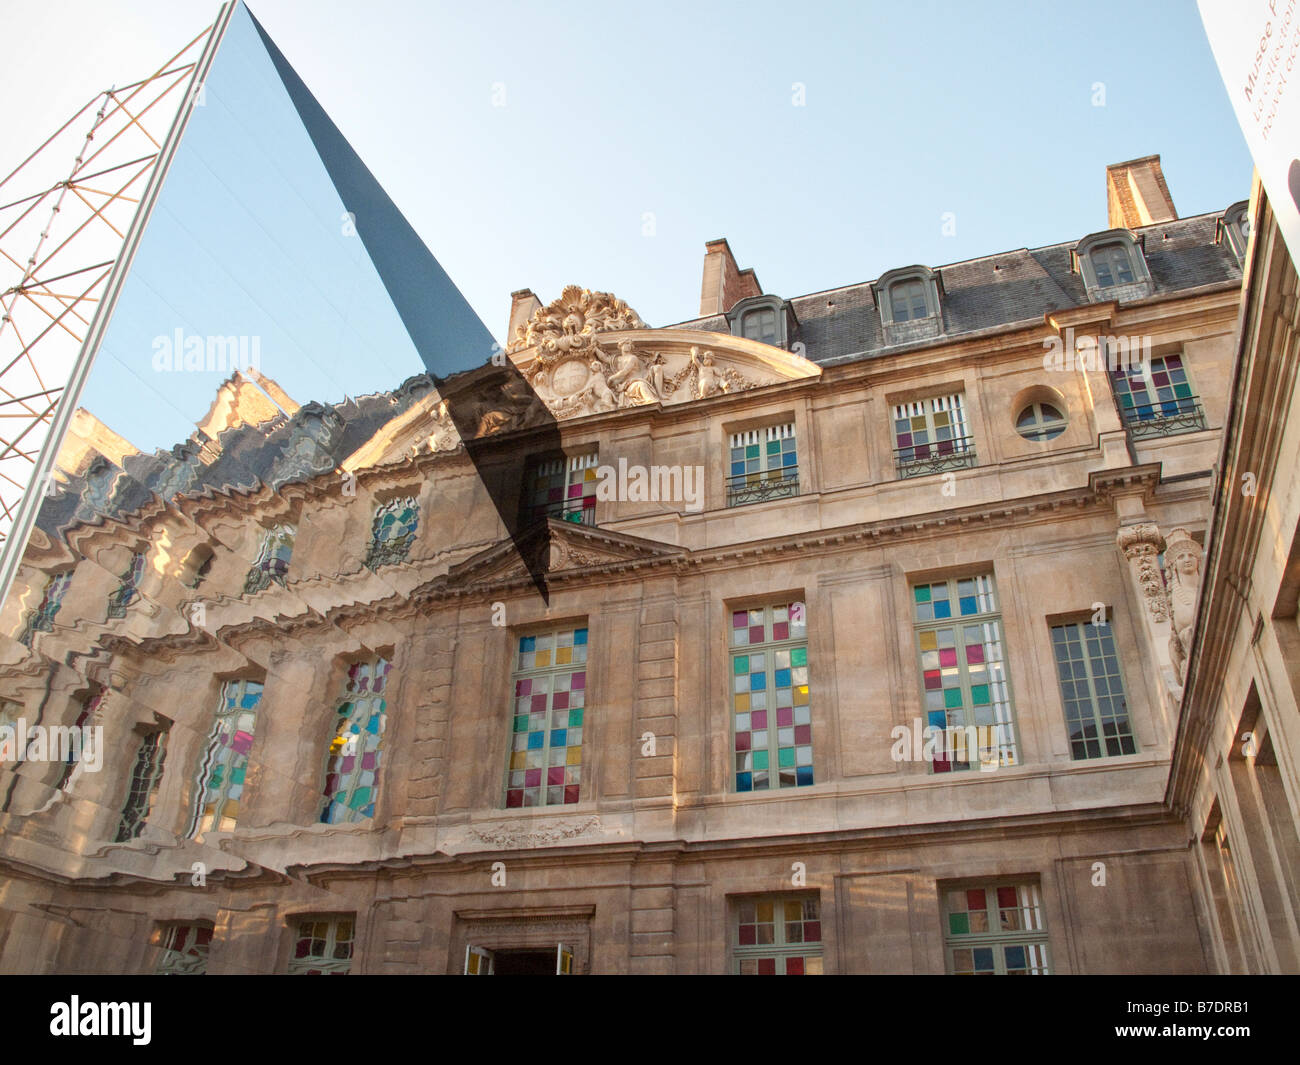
511, 835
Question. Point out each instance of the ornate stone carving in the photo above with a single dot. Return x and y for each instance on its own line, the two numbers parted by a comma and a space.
569, 324
1141, 545
1183, 562
534, 834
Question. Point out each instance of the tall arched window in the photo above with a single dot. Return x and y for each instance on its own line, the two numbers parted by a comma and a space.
352, 765
224, 761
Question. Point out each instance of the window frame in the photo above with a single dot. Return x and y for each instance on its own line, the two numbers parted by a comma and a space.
960, 454
999, 938
770, 647
579, 470
355, 722
148, 772
384, 553
1041, 430
780, 949
128, 590
518, 745
754, 306
1107, 632
779, 480
269, 567
189, 960
1167, 417
983, 618
41, 617
228, 711
303, 964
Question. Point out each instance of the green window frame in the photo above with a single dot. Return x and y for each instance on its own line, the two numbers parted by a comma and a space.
994, 928
776, 935
965, 683
1092, 688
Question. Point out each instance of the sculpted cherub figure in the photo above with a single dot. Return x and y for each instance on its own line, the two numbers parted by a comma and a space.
708, 382
629, 376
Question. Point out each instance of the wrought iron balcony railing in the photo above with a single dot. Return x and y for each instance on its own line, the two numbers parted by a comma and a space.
1173, 416
746, 488
921, 459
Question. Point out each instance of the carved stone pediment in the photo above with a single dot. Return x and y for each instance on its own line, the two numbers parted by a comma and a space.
589, 353
569, 324
566, 548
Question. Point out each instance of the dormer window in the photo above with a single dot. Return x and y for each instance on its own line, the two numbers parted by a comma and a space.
1234, 229
909, 304
767, 319
1112, 266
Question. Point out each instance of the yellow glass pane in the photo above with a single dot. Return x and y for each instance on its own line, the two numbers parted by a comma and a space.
793, 911
801, 695
563, 656
764, 913
742, 702
574, 756
543, 659
519, 760
929, 641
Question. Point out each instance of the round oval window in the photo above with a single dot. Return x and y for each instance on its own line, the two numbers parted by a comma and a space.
1040, 421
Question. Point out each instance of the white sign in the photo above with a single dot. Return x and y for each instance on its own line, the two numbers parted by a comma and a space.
1257, 46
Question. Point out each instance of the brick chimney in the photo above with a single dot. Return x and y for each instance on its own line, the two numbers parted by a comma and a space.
725, 284
1136, 194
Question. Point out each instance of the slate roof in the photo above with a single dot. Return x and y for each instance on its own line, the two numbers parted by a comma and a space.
842, 324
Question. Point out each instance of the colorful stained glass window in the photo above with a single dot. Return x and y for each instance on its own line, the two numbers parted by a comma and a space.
1159, 388
352, 767
931, 435
128, 590
563, 487
770, 700
1096, 711
272, 562
145, 779
393, 532
964, 674
550, 707
88, 719
1112, 265
994, 930
323, 947
907, 301
224, 762
184, 949
777, 936
764, 465
41, 619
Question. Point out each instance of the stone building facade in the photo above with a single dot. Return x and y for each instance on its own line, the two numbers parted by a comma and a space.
837, 633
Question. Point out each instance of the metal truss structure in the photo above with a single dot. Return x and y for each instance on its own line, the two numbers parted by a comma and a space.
62, 232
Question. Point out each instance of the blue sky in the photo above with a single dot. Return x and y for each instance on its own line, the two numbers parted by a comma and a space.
631, 134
